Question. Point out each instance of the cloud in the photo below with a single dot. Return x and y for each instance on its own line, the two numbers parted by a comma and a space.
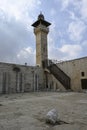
76, 30
53, 12
15, 8
65, 52
26, 55
23, 10
73, 16
62, 49
16, 33
83, 10
76, 4
84, 43
17, 41
84, 46
65, 4
70, 51
13, 37
80, 6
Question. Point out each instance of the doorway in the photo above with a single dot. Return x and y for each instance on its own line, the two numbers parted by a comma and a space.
84, 83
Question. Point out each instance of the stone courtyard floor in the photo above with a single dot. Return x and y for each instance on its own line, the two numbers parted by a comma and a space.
27, 111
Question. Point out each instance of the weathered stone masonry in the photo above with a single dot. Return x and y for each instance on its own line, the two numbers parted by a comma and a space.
20, 78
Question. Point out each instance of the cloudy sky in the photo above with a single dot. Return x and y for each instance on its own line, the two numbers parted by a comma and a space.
67, 38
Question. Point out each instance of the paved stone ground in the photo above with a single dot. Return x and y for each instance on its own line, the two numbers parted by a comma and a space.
27, 111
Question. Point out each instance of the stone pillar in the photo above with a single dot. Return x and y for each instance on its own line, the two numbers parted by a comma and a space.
17, 82
33, 72
4, 83
22, 82
1, 82
37, 82
7, 82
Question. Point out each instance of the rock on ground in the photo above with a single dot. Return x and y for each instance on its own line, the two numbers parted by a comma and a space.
52, 117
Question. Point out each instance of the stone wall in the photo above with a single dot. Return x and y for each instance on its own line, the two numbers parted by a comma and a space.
74, 69
20, 78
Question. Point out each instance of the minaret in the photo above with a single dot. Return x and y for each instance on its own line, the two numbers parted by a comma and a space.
41, 30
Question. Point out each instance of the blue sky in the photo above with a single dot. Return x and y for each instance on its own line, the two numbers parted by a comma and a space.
67, 38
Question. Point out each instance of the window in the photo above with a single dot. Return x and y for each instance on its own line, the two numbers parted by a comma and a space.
82, 73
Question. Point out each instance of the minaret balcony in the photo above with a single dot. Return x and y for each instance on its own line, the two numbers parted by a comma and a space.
41, 29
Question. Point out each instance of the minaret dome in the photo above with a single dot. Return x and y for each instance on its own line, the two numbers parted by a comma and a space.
40, 16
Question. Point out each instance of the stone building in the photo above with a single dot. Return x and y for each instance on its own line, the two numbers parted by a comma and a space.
46, 75
76, 70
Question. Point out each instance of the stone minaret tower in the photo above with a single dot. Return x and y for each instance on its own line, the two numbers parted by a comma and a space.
41, 30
